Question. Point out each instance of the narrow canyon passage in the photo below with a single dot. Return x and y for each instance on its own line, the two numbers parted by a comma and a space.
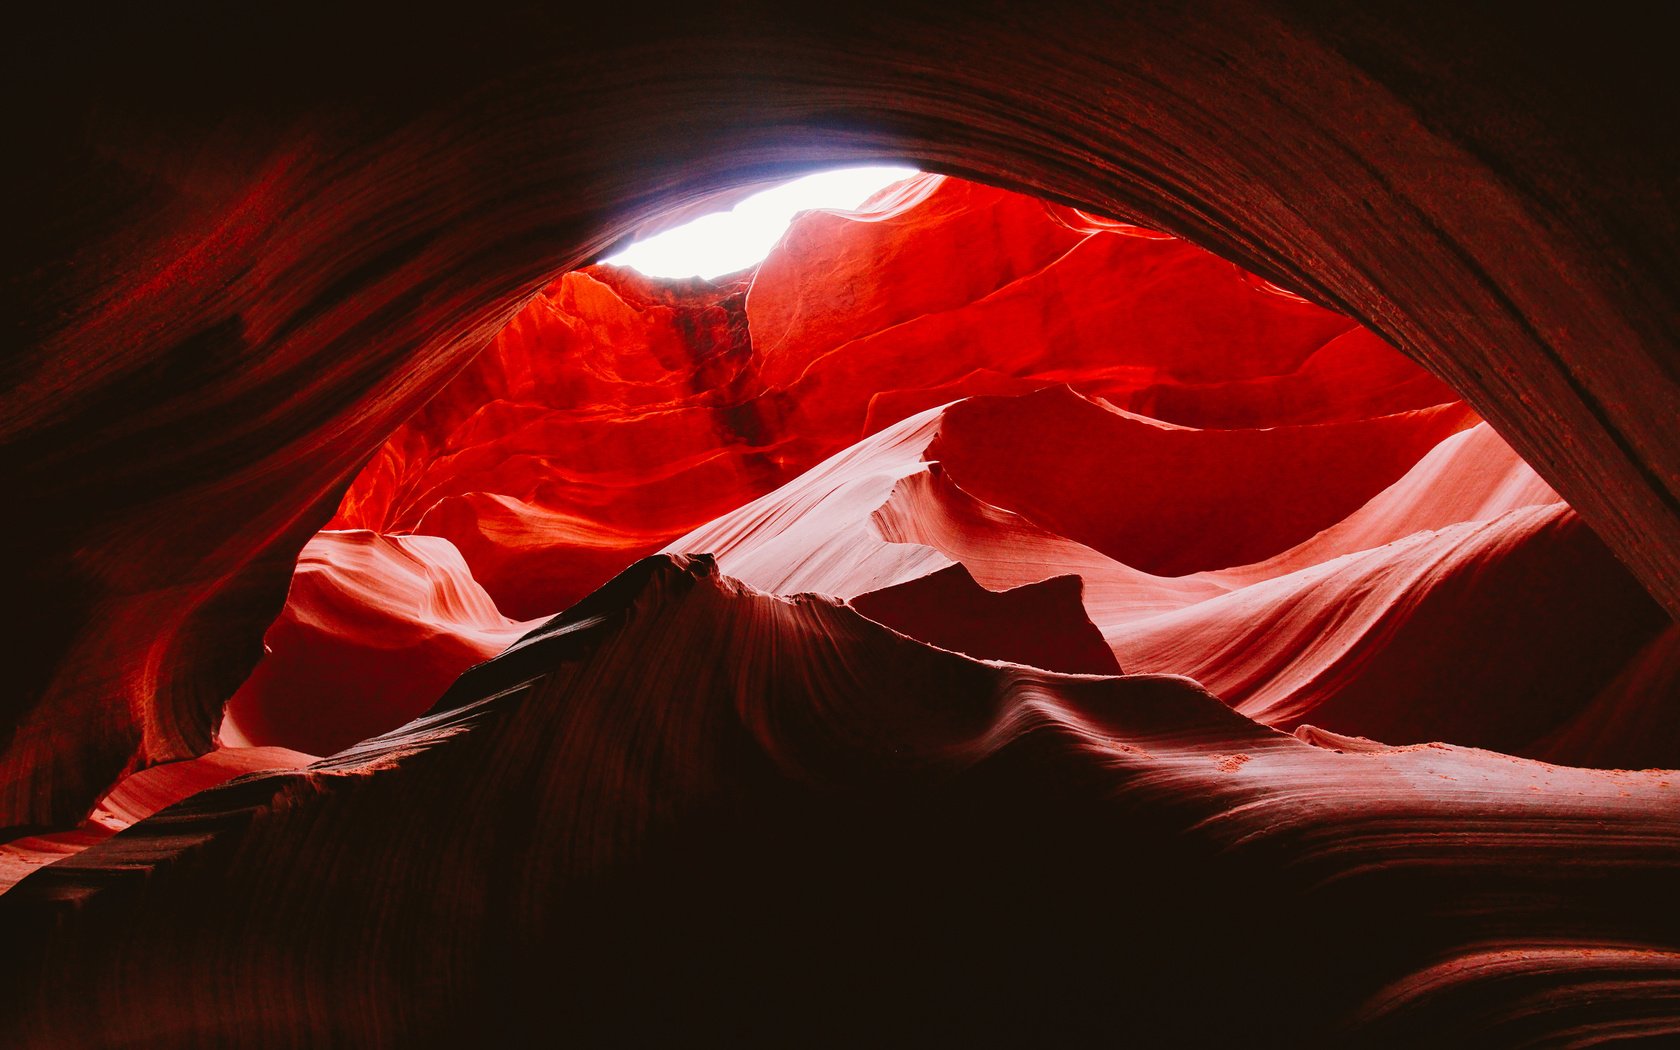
1250, 490
1023, 518
1195, 566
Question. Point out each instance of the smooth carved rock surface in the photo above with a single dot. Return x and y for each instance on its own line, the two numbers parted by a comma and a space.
375, 629
614, 414
690, 806
1008, 644
242, 267
1362, 628
1022, 453
138, 797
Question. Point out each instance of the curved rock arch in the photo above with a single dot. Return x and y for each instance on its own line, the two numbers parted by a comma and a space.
260, 241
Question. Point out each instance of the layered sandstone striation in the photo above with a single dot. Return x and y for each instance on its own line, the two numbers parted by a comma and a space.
1032, 624
690, 806
251, 242
1237, 485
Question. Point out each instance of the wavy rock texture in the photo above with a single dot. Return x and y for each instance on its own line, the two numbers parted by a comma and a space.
1363, 628
375, 629
958, 725
614, 414
919, 806
687, 807
137, 798
241, 267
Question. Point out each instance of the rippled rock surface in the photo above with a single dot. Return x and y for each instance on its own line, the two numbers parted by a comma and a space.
1043, 630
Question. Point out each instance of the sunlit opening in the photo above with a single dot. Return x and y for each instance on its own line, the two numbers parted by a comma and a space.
724, 242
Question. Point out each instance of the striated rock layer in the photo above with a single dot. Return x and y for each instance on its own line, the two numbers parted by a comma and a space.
137, 798
1038, 462
614, 414
249, 242
1305, 525
1365, 627
689, 810
1061, 654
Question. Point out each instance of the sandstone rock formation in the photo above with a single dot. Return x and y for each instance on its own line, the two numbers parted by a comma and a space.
992, 619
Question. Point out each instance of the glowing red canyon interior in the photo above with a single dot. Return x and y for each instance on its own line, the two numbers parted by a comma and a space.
1000, 427
960, 418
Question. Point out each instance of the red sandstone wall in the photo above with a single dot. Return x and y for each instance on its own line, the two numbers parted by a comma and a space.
251, 245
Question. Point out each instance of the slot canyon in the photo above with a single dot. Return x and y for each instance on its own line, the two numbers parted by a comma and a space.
1197, 563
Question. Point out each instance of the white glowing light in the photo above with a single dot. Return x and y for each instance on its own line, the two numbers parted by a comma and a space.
727, 241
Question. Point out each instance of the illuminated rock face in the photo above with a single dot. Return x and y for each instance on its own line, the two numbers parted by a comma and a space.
965, 591
375, 628
241, 268
917, 803
687, 805
1305, 524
